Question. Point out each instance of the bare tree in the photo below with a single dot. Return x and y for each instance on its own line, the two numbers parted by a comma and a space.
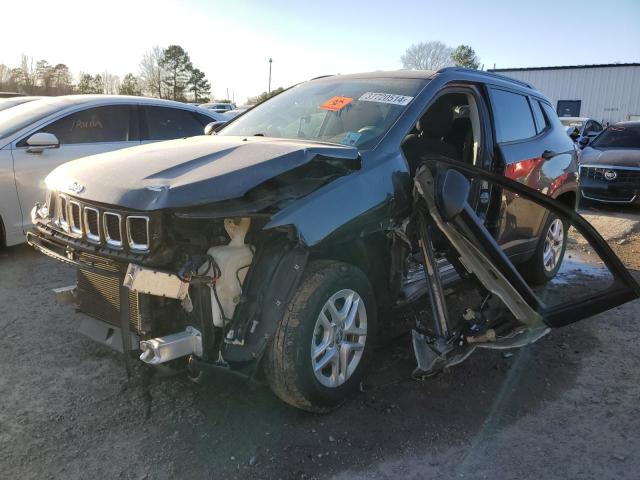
427, 56
152, 72
25, 76
5, 76
111, 83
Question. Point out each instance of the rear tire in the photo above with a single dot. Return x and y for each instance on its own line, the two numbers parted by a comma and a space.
322, 345
547, 259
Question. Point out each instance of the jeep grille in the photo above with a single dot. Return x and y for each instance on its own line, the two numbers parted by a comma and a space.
97, 225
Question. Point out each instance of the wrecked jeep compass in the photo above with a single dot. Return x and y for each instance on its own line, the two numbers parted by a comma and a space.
282, 245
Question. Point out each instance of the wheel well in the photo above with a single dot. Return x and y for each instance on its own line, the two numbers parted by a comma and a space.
568, 198
370, 254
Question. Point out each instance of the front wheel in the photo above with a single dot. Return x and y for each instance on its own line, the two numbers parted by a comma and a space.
546, 260
322, 345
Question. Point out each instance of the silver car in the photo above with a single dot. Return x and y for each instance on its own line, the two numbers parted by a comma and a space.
37, 136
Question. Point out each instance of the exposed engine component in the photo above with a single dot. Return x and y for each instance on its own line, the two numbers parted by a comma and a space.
163, 349
233, 261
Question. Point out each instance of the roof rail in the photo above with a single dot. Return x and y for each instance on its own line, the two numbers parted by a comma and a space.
323, 76
485, 73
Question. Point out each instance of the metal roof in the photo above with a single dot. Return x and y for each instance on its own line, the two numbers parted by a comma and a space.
564, 67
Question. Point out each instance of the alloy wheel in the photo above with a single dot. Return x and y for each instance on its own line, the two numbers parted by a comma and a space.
553, 245
339, 338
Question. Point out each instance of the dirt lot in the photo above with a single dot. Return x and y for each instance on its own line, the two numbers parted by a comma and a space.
566, 407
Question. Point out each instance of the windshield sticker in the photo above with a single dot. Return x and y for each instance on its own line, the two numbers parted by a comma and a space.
336, 103
385, 98
351, 138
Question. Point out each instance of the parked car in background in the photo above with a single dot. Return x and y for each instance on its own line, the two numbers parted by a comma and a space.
581, 129
218, 107
272, 245
37, 136
610, 166
233, 113
13, 101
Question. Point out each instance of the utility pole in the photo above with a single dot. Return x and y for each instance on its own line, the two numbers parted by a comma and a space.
270, 60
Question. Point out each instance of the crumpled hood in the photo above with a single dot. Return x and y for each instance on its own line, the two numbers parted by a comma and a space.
186, 172
614, 156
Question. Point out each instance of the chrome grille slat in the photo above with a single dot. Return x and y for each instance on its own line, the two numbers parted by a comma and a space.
138, 232
74, 218
61, 213
92, 224
112, 225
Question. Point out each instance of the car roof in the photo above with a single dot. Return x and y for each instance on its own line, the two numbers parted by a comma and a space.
96, 98
451, 73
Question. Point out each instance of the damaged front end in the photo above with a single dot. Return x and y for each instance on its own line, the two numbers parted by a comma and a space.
206, 281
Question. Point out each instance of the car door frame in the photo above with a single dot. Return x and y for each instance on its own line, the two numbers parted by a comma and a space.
485, 154
624, 287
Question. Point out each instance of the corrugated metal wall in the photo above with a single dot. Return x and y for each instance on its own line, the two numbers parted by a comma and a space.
608, 94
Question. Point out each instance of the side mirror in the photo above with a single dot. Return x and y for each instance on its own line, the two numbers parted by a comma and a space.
42, 141
453, 192
213, 127
584, 141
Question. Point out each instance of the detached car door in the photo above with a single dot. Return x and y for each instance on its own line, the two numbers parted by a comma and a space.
592, 280
80, 134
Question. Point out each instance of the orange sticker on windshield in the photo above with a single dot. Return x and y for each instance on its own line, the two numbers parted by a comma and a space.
336, 103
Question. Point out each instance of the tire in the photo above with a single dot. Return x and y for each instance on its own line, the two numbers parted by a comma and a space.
292, 374
547, 259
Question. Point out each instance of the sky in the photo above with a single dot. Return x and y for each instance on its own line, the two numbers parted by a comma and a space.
232, 40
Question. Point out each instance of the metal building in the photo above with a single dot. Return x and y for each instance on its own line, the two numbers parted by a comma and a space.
606, 93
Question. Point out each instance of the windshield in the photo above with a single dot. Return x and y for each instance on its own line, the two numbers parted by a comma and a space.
354, 112
619, 136
14, 119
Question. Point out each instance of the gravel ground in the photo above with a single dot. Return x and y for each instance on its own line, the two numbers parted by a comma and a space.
565, 407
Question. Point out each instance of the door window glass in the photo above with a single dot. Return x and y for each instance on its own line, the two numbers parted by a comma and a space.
512, 116
165, 123
541, 123
94, 125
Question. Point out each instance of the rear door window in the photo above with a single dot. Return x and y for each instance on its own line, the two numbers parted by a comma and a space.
541, 122
512, 116
164, 123
94, 125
